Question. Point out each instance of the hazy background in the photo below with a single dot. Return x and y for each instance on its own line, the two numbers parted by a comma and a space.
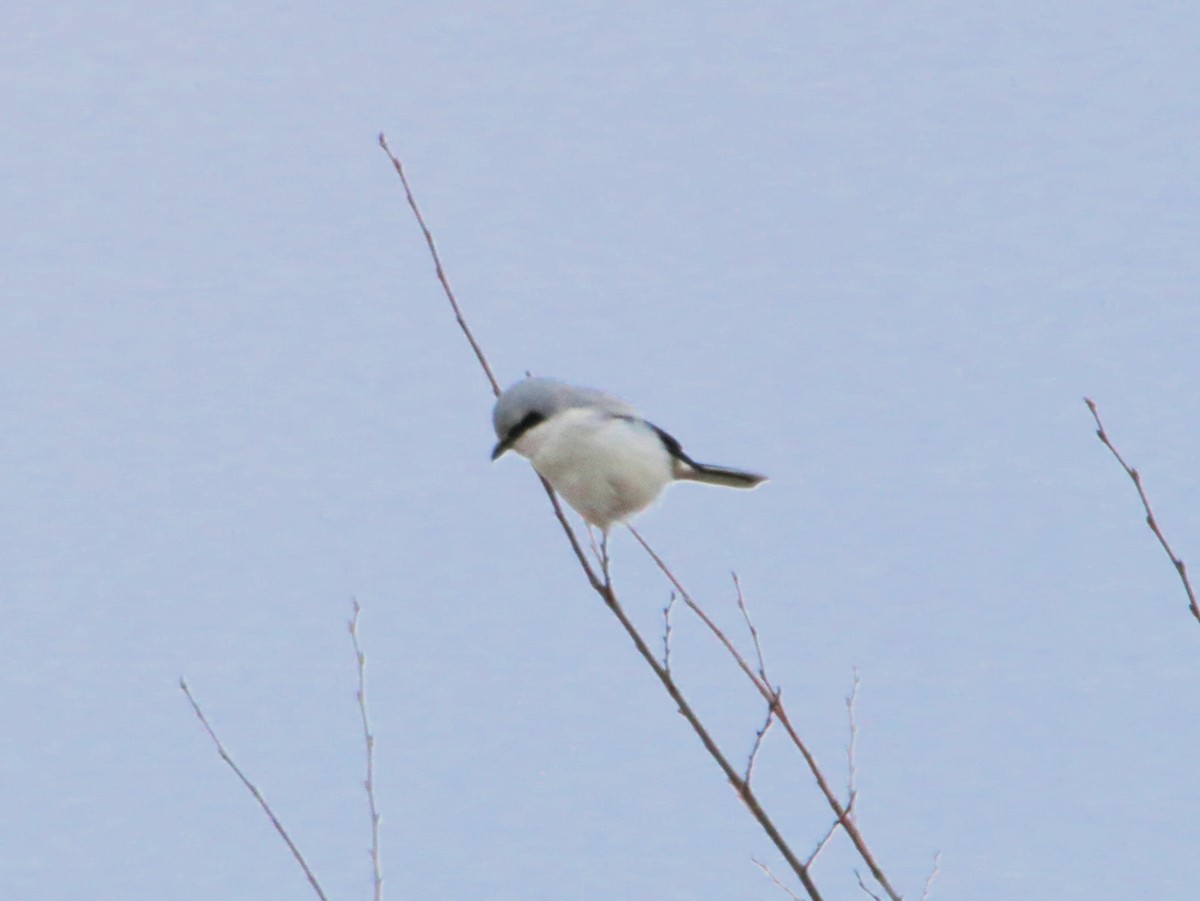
878, 251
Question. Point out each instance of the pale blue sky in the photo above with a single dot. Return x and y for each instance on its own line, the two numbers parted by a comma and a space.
878, 251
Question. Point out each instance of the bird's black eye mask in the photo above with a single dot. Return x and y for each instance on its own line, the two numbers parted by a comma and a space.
514, 434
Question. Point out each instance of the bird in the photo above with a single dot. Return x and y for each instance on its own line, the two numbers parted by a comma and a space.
596, 451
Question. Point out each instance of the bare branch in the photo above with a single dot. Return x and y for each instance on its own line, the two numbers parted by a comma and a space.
761, 684
851, 768
762, 866
369, 741
666, 660
253, 789
758, 740
937, 859
437, 263
820, 846
739, 784
1133, 474
768, 693
741, 602
590, 573
862, 885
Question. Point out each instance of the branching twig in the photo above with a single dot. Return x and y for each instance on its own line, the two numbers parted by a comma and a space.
253, 789
768, 693
1133, 474
369, 741
847, 815
602, 585
760, 683
762, 866
739, 784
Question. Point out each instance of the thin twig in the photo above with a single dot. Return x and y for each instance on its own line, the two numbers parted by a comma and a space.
667, 632
851, 767
437, 263
741, 602
820, 846
1133, 474
937, 859
369, 741
760, 683
739, 784
762, 866
862, 885
765, 689
758, 740
253, 789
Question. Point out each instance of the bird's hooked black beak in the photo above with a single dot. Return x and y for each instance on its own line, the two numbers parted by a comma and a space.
528, 421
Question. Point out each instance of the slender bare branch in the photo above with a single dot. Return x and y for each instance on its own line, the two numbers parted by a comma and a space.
741, 602
666, 660
765, 689
590, 573
1133, 474
369, 740
767, 870
758, 740
437, 264
851, 766
824, 840
851, 769
739, 784
862, 885
253, 789
760, 683
937, 860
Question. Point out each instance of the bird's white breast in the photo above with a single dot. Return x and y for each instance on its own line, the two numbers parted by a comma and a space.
607, 468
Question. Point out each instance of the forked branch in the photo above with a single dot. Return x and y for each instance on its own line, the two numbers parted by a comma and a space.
602, 585
842, 814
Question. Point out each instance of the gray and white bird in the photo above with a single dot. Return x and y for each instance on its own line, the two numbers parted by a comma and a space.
596, 451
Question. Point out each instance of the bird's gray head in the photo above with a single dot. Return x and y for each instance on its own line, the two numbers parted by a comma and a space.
534, 400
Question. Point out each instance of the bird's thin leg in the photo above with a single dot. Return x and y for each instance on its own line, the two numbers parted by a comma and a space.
604, 557
592, 541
